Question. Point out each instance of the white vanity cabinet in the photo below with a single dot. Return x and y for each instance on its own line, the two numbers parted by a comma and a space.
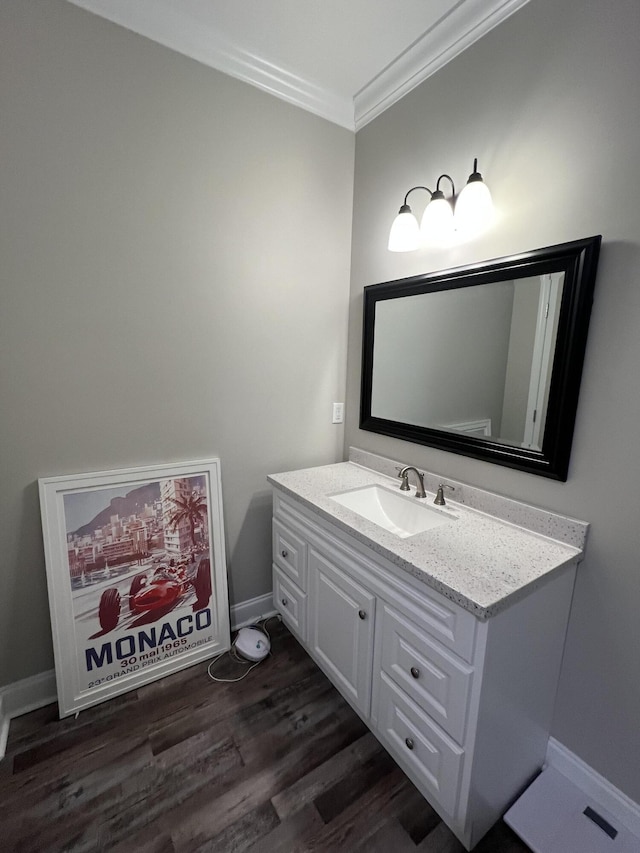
464, 705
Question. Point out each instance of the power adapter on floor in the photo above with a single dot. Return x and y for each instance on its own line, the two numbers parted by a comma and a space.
252, 644
250, 647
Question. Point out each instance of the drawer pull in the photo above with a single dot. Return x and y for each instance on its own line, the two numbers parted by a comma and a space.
362, 614
415, 672
284, 553
284, 602
409, 742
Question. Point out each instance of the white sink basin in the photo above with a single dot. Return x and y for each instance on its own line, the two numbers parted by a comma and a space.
397, 513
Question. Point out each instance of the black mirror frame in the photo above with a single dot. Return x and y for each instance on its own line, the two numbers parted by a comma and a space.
579, 261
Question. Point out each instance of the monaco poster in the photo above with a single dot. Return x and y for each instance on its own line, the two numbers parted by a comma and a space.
136, 587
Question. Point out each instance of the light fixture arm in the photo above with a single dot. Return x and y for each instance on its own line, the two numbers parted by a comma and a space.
405, 205
439, 191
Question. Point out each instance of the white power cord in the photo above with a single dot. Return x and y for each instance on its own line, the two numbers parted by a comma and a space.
262, 626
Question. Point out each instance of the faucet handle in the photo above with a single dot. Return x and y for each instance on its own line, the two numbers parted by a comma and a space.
404, 476
439, 499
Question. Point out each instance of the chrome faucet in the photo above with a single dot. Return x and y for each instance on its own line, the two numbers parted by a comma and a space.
404, 485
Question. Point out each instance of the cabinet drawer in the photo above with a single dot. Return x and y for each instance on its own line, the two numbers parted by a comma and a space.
434, 678
291, 603
447, 622
290, 553
432, 760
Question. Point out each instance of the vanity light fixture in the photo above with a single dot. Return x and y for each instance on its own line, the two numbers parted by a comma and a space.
442, 217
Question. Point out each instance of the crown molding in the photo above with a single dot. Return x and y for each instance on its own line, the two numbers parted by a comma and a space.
467, 22
233, 60
169, 24
163, 21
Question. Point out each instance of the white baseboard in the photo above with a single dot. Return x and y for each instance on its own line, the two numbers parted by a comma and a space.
4, 730
595, 786
24, 696
27, 695
252, 610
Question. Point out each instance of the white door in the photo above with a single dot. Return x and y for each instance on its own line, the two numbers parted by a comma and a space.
341, 623
542, 362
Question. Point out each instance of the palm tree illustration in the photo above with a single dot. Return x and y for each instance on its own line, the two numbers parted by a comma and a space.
192, 509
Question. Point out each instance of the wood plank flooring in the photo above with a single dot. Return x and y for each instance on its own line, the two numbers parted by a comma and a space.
277, 763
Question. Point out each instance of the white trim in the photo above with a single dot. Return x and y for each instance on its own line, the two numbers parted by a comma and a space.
467, 22
4, 728
252, 610
481, 426
24, 696
542, 355
169, 24
595, 786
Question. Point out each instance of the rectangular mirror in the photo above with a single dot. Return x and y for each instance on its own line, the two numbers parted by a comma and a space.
483, 360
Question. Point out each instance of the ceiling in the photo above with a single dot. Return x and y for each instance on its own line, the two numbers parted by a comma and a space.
345, 60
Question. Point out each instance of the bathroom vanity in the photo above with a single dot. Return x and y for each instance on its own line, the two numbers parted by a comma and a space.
448, 641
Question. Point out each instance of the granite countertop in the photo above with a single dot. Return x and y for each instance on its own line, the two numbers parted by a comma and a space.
481, 562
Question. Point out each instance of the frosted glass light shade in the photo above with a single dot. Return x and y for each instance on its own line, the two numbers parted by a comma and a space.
437, 224
405, 233
474, 208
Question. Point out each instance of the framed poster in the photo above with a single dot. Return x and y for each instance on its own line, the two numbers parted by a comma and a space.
136, 573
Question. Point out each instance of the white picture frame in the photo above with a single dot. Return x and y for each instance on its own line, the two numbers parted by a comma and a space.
136, 574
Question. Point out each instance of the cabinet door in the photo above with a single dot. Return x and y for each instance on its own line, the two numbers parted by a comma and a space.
341, 622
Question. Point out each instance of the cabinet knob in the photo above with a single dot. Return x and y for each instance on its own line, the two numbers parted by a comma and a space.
284, 553
284, 602
362, 614
409, 742
415, 672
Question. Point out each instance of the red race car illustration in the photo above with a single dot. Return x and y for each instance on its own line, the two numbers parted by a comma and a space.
162, 590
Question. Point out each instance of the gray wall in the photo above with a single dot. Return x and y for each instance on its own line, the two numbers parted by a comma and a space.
549, 104
175, 249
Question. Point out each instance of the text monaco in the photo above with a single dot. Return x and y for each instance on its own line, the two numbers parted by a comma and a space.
137, 644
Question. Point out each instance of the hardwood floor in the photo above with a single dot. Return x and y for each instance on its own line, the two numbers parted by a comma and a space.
276, 763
